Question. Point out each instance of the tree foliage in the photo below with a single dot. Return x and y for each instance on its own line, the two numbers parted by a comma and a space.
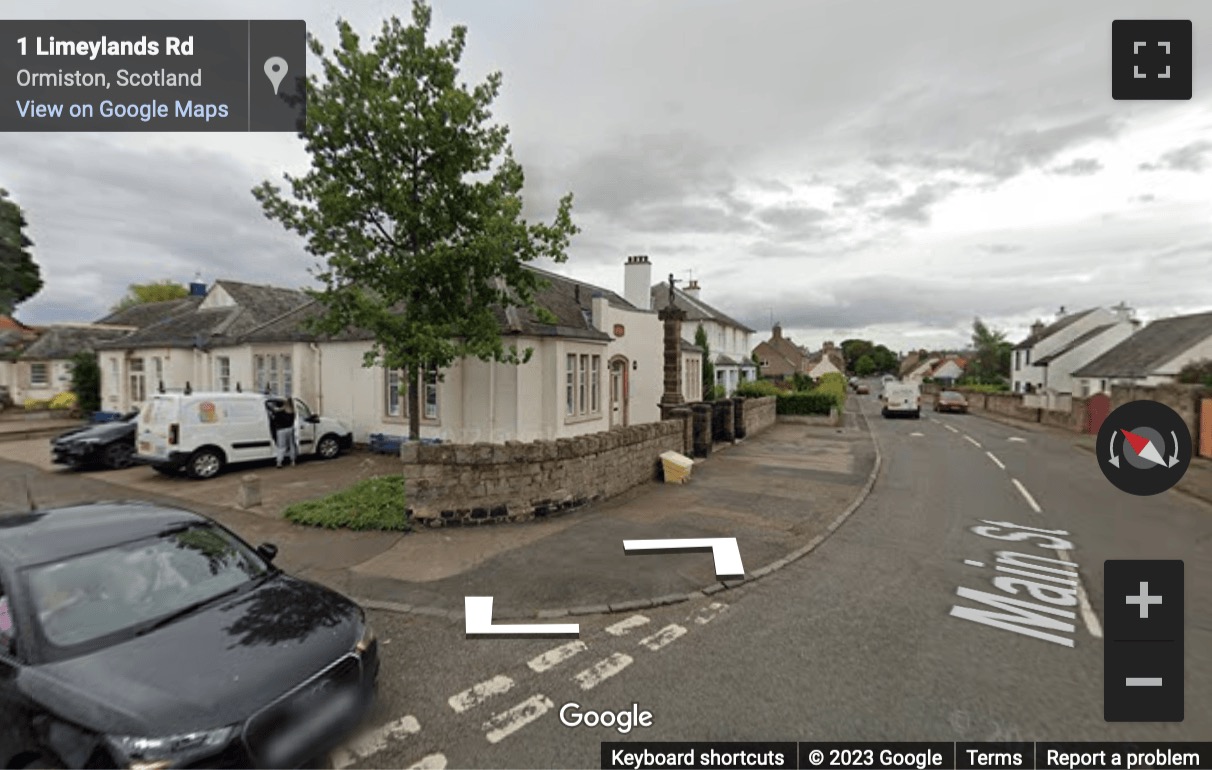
1197, 373
413, 202
20, 276
864, 366
86, 381
156, 291
883, 359
700, 339
990, 362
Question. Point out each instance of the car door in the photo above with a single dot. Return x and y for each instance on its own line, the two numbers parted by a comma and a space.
306, 427
15, 734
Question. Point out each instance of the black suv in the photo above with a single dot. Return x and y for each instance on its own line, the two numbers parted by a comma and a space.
108, 444
133, 634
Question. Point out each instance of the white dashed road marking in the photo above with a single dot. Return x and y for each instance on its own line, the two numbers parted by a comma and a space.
951, 428
915, 433
1089, 617
996, 461
972, 563
373, 740
1016, 438
626, 625
555, 657
602, 670
431, 762
972, 441
509, 722
1030, 500
707, 614
480, 693
663, 637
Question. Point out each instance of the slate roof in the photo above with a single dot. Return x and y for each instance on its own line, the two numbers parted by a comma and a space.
569, 300
150, 312
696, 309
61, 342
1159, 342
1052, 328
255, 306
1082, 340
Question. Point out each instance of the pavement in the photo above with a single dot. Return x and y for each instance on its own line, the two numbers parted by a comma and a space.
779, 494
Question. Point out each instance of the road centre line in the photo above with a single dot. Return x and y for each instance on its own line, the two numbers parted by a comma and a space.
1089, 616
996, 461
556, 656
973, 441
509, 722
373, 740
480, 693
602, 670
624, 626
950, 428
1030, 500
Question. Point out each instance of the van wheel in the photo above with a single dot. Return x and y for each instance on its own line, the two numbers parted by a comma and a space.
328, 447
205, 464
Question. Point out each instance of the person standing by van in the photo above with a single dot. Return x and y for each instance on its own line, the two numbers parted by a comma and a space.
284, 432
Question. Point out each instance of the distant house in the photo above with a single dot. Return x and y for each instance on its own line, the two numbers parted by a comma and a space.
14, 338
827, 360
1048, 357
44, 368
949, 370
600, 365
779, 357
1152, 356
921, 369
729, 340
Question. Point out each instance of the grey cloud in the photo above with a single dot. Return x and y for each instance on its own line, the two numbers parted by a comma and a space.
1146, 198
1079, 167
1000, 248
791, 216
915, 207
860, 192
1190, 157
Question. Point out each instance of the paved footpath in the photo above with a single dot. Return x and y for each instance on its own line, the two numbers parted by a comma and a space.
777, 494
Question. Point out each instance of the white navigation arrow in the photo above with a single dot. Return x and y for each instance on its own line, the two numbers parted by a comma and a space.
478, 612
1174, 457
725, 550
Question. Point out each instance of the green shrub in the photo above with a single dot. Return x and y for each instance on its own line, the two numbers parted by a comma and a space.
833, 386
986, 388
805, 403
757, 389
375, 503
717, 392
801, 383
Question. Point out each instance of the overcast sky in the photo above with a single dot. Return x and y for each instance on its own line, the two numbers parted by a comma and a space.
885, 170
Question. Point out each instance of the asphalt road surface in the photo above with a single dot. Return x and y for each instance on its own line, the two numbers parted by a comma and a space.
860, 640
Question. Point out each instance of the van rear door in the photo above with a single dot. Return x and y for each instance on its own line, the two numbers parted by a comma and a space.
159, 413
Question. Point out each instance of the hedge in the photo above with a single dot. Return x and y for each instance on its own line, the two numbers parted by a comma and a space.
758, 389
810, 402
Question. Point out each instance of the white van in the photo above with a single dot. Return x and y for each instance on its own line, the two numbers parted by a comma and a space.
900, 398
202, 432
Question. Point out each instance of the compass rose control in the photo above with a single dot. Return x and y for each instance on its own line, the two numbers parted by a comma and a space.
1144, 447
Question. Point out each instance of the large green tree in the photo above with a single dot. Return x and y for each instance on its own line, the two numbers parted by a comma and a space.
156, 291
990, 364
882, 359
20, 276
413, 202
86, 381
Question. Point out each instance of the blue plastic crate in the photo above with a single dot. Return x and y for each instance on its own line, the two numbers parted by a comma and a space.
99, 417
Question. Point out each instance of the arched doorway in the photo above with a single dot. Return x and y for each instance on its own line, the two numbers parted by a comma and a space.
618, 392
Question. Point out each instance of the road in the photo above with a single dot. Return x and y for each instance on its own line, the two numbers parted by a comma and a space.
857, 641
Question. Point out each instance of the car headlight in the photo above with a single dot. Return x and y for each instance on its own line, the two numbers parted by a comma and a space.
141, 753
368, 639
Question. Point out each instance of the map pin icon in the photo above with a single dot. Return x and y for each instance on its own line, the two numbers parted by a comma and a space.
275, 70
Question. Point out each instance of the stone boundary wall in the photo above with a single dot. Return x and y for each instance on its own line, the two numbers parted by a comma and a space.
472, 484
759, 414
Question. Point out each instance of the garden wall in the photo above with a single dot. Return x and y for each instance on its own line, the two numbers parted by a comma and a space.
759, 414
471, 484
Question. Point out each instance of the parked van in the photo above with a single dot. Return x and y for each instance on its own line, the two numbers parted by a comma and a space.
901, 398
201, 433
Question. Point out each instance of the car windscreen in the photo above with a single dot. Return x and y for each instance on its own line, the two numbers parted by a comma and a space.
117, 591
951, 395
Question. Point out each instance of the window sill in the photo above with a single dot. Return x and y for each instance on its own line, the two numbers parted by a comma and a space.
578, 418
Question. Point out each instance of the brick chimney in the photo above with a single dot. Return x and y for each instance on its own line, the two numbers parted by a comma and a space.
692, 288
777, 332
827, 348
637, 282
1037, 328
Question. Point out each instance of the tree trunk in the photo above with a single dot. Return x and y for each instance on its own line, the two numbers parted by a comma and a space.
414, 404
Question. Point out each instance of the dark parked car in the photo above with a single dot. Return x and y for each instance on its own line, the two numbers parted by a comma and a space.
951, 401
109, 444
139, 635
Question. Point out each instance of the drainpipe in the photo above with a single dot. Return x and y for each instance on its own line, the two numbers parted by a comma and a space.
319, 367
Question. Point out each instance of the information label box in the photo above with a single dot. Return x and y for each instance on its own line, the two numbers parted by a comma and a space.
153, 75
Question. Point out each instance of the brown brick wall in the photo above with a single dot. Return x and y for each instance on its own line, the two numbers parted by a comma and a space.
759, 414
469, 484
